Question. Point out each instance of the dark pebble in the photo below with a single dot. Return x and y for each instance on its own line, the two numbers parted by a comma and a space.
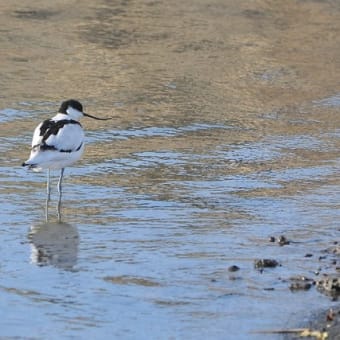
329, 285
233, 268
300, 286
265, 263
272, 239
309, 255
283, 241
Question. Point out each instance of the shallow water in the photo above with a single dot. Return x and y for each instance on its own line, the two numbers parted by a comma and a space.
225, 132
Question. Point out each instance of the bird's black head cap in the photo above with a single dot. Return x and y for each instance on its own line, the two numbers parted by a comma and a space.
71, 102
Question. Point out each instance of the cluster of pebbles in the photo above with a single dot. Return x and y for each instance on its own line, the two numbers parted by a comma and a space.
330, 284
326, 280
329, 259
326, 325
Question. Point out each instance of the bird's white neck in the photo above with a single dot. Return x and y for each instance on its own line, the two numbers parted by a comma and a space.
71, 114
61, 116
74, 113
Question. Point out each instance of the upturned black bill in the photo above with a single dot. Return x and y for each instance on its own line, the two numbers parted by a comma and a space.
87, 115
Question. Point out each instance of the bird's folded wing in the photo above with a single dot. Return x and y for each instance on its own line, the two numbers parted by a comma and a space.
63, 135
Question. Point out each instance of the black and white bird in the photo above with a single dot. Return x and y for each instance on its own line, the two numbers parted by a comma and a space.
58, 142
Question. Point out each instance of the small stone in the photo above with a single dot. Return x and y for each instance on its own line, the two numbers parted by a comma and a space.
330, 315
309, 255
300, 286
329, 285
300, 283
233, 268
272, 239
283, 241
265, 263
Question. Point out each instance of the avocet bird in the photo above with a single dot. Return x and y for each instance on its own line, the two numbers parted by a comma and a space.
58, 142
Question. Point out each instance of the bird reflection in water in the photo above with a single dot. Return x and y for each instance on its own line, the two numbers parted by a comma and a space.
54, 244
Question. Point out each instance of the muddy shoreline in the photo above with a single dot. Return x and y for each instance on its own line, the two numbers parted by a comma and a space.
327, 322
324, 324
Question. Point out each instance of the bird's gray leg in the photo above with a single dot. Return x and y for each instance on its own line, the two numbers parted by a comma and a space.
60, 192
48, 193
48, 186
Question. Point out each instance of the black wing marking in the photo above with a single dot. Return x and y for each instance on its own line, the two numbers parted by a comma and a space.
52, 127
